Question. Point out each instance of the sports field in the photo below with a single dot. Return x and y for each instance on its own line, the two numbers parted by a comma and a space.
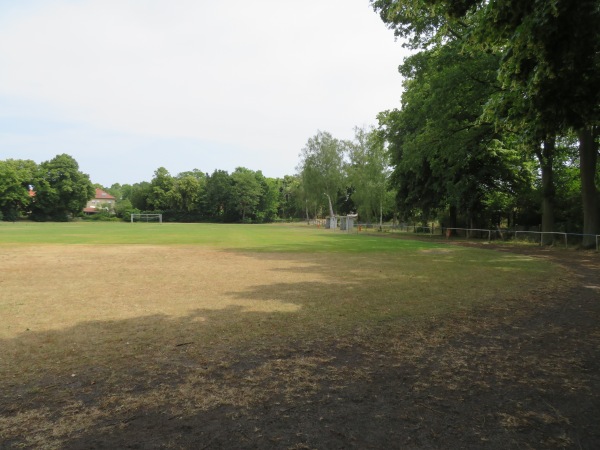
237, 336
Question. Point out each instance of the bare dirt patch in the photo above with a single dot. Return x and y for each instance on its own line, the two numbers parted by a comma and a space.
173, 372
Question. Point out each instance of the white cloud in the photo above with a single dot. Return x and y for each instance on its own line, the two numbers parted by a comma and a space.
261, 76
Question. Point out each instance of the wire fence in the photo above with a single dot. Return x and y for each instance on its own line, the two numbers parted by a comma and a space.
528, 236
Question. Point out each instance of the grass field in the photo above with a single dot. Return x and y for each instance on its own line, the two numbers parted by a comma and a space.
104, 323
58, 275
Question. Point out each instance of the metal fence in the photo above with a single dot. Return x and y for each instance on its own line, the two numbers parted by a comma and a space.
535, 237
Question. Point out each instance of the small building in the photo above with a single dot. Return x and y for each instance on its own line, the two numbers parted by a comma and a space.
102, 201
347, 222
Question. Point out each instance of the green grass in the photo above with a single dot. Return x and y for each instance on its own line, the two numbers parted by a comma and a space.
261, 238
210, 315
435, 259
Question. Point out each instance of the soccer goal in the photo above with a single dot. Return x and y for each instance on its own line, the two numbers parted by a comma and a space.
146, 218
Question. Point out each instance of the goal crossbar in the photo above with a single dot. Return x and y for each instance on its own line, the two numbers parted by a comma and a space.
142, 217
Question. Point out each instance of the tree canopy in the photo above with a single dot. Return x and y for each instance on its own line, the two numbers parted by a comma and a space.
548, 71
322, 169
61, 189
16, 180
499, 123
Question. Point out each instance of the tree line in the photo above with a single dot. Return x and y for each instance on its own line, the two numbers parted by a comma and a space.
500, 116
498, 126
334, 177
53, 190
243, 195
57, 190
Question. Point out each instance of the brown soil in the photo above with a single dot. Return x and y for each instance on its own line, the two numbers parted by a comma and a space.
523, 373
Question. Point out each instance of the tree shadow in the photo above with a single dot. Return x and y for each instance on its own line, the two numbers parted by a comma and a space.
514, 375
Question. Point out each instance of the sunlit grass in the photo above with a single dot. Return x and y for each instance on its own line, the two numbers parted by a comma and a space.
272, 237
58, 275
141, 316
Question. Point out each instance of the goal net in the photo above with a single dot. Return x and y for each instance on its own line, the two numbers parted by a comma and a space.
146, 218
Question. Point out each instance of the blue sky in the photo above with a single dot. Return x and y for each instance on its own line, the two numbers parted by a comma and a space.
127, 86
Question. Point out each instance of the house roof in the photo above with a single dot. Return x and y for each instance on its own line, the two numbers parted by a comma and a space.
101, 195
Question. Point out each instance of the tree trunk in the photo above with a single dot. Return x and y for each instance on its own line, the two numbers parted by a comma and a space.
307, 216
588, 161
332, 220
452, 216
545, 155
331, 213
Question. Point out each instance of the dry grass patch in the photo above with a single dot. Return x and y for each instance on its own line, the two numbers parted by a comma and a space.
54, 287
101, 336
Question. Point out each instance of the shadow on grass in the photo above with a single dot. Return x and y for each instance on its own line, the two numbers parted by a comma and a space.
518, 374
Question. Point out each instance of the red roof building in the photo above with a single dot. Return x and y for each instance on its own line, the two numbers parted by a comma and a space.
102, 201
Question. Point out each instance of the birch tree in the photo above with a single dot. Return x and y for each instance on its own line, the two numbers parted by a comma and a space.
322, 169
368, 173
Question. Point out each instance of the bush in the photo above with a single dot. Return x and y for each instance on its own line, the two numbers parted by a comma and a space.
101, 217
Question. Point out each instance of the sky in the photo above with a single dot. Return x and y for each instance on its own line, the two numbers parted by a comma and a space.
128, 86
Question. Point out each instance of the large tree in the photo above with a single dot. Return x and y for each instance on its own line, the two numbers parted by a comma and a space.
549, 71
188, 191
246, 191
270, 198
368, 173
61, 189
218, 196
290, 197
138, 194
322, 169
16, 177
160, 196
444, 156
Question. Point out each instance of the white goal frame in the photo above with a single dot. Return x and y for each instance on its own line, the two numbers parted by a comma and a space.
145, 217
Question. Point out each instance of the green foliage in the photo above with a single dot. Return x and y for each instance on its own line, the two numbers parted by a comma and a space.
123, 208
160, 195
291, 197
246, 191
322, 170
15, 178
193, 196
270, 199
187, 192
138, 195
548, 72
218, 196
61, 190
444, 156
368, 174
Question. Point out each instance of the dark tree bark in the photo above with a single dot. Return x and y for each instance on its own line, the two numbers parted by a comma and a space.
588, 166
545, 155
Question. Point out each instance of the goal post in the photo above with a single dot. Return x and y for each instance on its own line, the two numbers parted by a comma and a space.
141, 217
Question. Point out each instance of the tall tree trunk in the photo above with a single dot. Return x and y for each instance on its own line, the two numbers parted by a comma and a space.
332, 219
453, 219
331, 213
545, 155
588, 161
307, 216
